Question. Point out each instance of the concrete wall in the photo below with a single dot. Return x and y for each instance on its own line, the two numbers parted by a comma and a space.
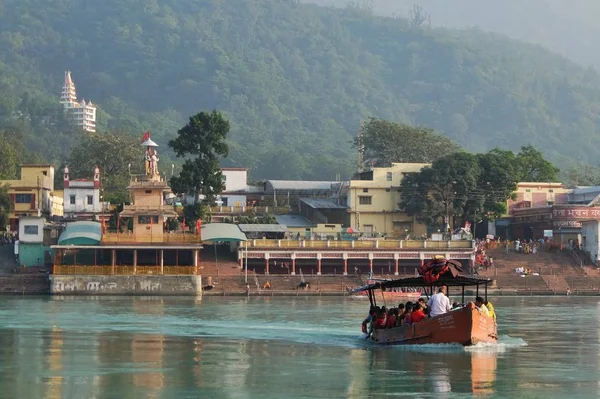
32, 255
152, 198
235, 179
27, 227
81, 202
126, 285
590, 233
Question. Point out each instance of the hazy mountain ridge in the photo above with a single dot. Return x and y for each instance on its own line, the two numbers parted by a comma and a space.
295, 79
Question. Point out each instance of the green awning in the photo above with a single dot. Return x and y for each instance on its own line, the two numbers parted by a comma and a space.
222, 232
81, 233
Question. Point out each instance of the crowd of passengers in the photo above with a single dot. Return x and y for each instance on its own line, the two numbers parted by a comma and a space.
409, 313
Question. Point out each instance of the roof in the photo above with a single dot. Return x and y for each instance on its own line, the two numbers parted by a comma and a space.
322, 203
235, 169
36, 165
294, 221
303, 185
459, 281
222, 232
81, 233
263, 228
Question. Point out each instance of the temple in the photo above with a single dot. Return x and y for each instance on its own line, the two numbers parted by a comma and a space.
139, 244
81, 112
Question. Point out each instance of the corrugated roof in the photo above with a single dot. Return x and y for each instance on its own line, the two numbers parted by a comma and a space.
81, 233
222, 232
322, 203
302, 185
263, 228
294, 221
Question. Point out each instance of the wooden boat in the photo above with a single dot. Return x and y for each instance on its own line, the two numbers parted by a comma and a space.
465, 326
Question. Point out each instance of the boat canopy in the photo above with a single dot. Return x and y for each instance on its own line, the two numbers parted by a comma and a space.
458, 281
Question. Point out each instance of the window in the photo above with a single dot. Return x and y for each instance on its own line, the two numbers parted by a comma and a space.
364, 200
550, 191
148, 191
365, 190
90, 200
550, 203
72, 199
30, 230
146, 219
389, 176
527, 190
22, 198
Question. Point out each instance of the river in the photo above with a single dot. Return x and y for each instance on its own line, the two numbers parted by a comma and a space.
298, 347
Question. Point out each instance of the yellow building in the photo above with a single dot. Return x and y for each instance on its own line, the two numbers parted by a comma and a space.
33, 192
373, 198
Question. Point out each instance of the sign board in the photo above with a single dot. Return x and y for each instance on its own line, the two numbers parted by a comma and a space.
576, 213
490, 236
566, 224
548, 233
437, 237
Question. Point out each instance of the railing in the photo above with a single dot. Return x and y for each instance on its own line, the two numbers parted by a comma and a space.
360, 244
275, 210
165, 238
124, 270
148, 208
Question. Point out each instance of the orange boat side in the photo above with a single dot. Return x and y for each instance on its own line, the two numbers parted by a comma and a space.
464, 326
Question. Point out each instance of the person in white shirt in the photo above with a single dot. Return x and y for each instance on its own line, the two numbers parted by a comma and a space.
439, 303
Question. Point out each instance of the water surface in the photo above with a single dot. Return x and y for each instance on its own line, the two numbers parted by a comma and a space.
299, 347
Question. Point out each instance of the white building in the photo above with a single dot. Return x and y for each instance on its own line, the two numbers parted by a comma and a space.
31, 229
82, 199
236, 186
590, 239
84, 114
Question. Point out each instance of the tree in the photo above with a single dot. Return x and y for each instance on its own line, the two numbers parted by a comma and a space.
532, 167
440, 193
382, 143
114, 153
6, 205
202, 141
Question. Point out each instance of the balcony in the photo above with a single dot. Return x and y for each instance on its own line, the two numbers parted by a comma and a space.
360, 244
129, 238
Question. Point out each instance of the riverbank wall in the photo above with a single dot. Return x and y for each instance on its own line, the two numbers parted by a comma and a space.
126, 285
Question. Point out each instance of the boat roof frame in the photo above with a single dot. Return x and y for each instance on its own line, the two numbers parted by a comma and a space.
459, 281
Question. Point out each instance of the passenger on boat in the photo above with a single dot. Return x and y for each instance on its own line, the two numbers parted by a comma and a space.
390, 322
407, 311
417, 315
491, 309
380, 319
439, 303
424, 306
480, 305
456, 305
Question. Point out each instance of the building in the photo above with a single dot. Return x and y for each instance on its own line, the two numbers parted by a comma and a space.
33, 193
91, 259
373, 198
82, 199
82, 113
236, 187
36, 236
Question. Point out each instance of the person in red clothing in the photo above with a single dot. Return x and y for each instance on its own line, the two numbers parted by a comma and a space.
380, 321
417, 315
391, 319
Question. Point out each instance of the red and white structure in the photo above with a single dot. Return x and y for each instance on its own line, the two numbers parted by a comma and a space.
82, 199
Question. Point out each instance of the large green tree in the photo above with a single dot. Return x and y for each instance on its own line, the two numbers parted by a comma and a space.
115, 153
382, 142
437, 194
6, 205
202, 143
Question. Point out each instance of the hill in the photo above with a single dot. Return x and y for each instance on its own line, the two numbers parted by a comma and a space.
295, 79
567, 28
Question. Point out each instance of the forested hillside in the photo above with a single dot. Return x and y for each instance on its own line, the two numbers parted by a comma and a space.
567, 27
294, 79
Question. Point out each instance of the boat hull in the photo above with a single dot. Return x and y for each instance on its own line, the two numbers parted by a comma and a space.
464, 326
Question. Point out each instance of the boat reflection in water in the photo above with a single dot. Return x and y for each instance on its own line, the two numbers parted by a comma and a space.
437, 369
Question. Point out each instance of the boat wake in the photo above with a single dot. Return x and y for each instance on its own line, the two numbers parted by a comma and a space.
504, 343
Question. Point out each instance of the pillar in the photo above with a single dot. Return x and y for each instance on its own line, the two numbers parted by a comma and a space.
267, 257
134, 261
162, 261
396, 261
345, 256
318, 264
293, 264
371, 264
113, 261
195, 254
